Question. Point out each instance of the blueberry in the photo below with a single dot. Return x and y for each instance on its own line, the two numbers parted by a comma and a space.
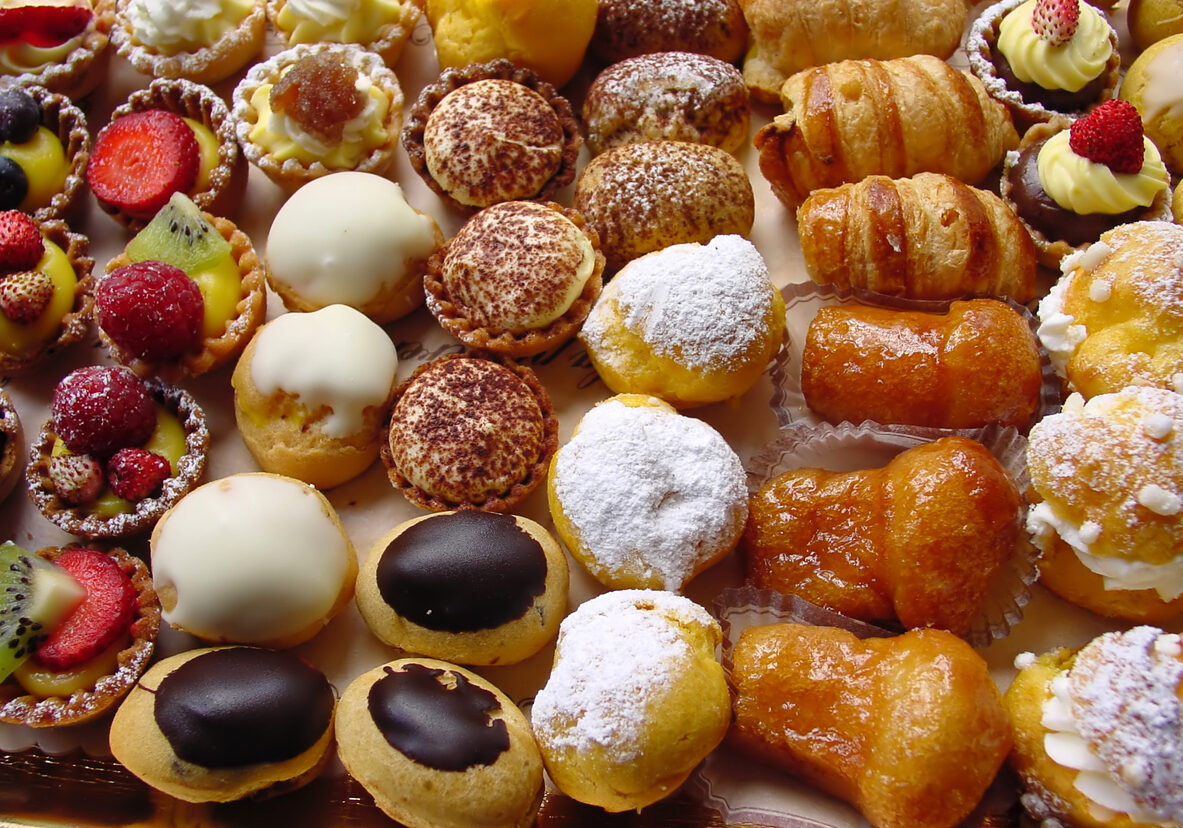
14, 184
20, 115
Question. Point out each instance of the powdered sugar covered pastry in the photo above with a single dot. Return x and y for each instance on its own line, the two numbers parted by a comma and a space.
1099, 731
635, 700
1115, 317
1108, 474
645, 497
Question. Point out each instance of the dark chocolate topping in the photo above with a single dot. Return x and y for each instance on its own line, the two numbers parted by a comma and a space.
462, 572
1044, 214
241, 706
1057, 100
441, 727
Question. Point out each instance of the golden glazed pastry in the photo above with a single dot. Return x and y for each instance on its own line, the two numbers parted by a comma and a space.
647, 196
910, 730
644, 497
656, 328
219, 724
667, 96
636, 698
787, 37
205, 41
1150, 85
467, 586
844, 121
948, 516
517, 278
381, 26
492, 132
1098, 731
1108, 473
975, 364
439, 746
312, 392
627, 28
1115, 317
925, 237
467, 430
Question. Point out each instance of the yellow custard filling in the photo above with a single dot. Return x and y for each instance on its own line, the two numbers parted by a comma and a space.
207, 145
44, 683
338, 21
1083, 186
1070, 66
22, 340
45, 165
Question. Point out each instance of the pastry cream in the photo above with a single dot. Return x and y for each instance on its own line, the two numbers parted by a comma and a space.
1069, 67
1083, 186
174, 26
18, 339
334, 357
44, 162
338, 21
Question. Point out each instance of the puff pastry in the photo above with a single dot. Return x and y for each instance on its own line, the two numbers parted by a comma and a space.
787, 36
925, 237
844, 121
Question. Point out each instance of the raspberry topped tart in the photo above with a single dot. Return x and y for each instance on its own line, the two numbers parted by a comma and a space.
116, 453
1070, 181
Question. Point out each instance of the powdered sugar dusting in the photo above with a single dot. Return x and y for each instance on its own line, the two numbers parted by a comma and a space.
650, 492
616, 654
1125, 692
700, 305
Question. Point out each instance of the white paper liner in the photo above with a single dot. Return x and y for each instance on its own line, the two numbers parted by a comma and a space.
804, 300
849, 447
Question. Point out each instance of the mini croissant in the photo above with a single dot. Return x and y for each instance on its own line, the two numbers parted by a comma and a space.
926, 237
844, 121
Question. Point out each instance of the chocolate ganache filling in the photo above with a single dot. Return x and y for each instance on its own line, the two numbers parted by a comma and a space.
1042, 212
1057, 100
462, 572
240, 706
435, 722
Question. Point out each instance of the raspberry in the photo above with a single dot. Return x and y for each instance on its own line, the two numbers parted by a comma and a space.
136, 473
76, 478
1111, 135
21, 245
97, 410
1055, 20
150, 309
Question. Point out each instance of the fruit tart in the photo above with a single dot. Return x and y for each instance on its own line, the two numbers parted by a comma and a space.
78, 627
173, 136
46, 290
44, 147
200, 41
318, 108
62, 46
381, 26
1043, 58
1070, 181
12, 448
185, 295
116, 453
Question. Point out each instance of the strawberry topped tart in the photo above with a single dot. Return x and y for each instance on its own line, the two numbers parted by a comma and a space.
59, 44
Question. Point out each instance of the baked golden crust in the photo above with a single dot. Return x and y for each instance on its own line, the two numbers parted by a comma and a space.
86, 66
12, 446
844, 121
925, 237
787, 37
910, 730
947, 518
66, 120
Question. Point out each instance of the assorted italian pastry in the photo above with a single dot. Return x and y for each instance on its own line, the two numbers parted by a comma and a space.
477, 373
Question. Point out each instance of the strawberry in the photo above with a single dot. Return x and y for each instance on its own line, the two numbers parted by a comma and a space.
25, 295
76, 478
151, 309
98, 410
21, 245
1055, 20
136, 473
1111, 135
140, 159
44, 26
104, 615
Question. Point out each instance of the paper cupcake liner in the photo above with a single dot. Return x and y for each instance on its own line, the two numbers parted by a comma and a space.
849, 447
804, 300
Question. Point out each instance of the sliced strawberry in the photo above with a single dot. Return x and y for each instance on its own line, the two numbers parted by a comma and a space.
136, 473
1111, 135
1055, 20
95, 624
140, 159
76, 478
21, 244
25, 295
44, 26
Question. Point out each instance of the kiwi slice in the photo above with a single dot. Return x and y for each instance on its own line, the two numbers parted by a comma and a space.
180, 235
35, 596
